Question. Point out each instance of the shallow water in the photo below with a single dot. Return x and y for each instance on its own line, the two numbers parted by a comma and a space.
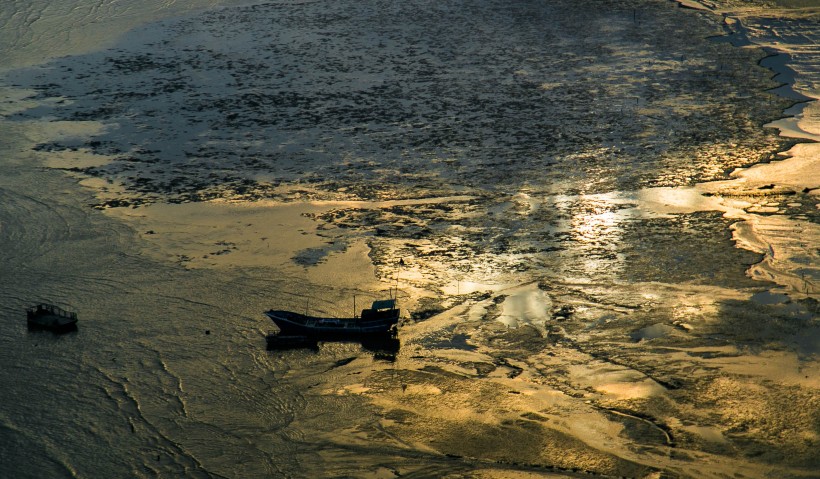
579, 306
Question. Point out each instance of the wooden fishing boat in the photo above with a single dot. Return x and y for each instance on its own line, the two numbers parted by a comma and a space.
381, 318
49, 316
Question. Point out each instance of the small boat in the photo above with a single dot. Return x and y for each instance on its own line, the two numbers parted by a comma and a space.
381, 318
49, 316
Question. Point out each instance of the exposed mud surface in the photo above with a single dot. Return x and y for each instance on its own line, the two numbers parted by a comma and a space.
525, 177
354, 97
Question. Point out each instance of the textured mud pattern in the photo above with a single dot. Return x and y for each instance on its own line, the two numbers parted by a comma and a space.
351, 96
526, 178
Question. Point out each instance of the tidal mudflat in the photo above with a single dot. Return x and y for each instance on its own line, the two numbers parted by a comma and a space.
606, 259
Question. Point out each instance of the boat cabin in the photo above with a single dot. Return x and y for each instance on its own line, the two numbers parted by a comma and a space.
381, 309
44, 309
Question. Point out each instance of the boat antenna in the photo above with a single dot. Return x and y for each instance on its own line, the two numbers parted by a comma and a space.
401, 263
354, 306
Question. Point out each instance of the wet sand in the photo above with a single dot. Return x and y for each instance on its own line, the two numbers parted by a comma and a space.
592, 286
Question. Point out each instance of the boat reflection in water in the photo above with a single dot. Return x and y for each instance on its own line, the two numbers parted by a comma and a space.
383, 346
375, 329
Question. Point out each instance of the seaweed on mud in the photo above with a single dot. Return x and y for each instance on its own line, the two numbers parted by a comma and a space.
406, 111
313, 256
422, 314
448, 339
522, 339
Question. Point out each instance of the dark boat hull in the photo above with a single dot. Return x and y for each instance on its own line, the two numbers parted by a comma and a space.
52, 324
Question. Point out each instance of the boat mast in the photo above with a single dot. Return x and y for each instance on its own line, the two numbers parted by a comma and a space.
398, 273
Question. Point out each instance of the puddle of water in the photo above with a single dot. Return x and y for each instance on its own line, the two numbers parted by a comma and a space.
526, 306
654, 331
768, 297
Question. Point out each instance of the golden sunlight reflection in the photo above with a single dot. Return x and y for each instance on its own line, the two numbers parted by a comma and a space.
465, 286
666, 201
596, 223
596, 226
